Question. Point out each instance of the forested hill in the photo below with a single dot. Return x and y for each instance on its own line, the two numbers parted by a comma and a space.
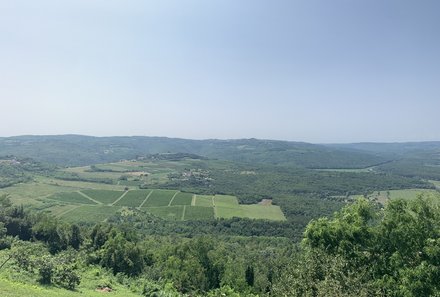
84, 150
394, 148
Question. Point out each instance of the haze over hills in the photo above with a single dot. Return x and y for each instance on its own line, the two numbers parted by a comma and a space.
81, 150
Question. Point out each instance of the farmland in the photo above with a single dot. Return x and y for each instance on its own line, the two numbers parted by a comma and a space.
166, 204
84, 200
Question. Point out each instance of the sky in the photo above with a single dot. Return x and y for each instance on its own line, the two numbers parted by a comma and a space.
303, 70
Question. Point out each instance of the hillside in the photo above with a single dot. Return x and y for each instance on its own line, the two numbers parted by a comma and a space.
76, 150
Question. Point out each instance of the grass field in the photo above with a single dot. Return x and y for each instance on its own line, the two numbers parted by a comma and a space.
103, 196
268, 212
198, 213
73, 197
228, 207
133, 198
204, 200
225, 201
182, 199
160, 198
28, 193
19, 289
168, 212
90, 214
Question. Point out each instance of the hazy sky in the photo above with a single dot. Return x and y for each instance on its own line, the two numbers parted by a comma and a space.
315, 71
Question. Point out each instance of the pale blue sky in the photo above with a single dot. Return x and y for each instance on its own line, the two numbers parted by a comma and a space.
311, 70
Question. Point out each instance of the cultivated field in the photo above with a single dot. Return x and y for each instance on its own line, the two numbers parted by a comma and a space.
86, 200
133, 198
167, 204
103, 196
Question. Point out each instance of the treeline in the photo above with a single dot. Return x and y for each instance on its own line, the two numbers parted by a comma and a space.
73, 176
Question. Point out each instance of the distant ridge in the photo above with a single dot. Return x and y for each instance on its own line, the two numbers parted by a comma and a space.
70, 150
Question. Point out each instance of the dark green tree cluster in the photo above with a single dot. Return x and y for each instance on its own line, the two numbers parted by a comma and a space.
365, 251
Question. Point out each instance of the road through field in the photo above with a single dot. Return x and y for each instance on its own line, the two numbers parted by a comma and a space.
146, 198
88, 197
122, 196
175, 194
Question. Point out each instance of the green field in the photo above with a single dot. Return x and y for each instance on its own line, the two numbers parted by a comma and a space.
182, 199
90, 214
73, 197
18, 289
198, 213
88, 201
226, 206
268, 212
167, 204
28, 193
225, 201
133, 198
168, 212
204, 200
160, 198
103, 196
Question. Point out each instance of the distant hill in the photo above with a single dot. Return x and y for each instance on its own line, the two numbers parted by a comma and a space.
410, 159
69, 150
399, 148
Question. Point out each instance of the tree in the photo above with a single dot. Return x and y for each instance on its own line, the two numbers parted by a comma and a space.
122, 255
75, 237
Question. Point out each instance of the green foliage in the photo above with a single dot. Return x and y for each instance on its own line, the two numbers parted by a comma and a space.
155, 290
60, 269
122, 255
426, 168
15, 170
72, 176
367, 252
56, 234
